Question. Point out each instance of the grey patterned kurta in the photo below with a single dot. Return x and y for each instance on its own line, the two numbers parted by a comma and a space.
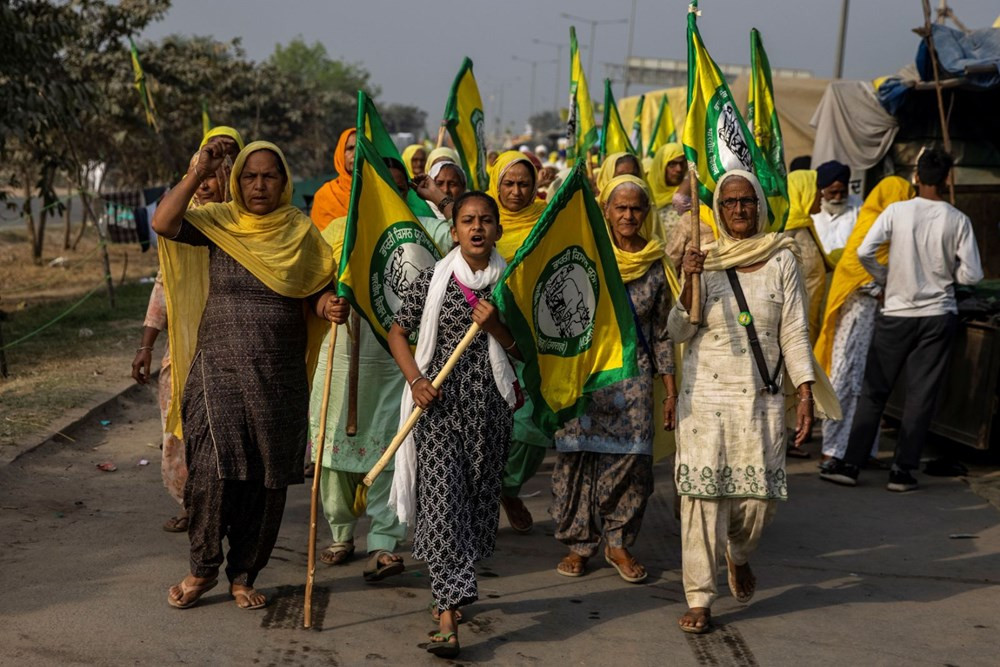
461, 443
603, 475
730, 435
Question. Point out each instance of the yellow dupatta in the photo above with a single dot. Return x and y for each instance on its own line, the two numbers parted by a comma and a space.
801, 195
282, 249
607, 171
223, 131
408, 154
516, 224
663, 194
850, 274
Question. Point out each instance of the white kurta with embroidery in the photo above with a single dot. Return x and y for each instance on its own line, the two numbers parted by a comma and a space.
730, 434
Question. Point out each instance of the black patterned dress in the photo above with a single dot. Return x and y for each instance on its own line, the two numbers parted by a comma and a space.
244, 412
461, 444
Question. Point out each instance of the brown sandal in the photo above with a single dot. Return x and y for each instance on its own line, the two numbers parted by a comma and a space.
242, 598
337, 553
176, 524
197, 590
628, 561
694, 629
518, 515
567, 567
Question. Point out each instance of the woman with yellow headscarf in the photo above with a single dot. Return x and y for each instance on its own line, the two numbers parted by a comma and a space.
605, 457
331, 200
849, 320
245, 348
514, 186
617, 164
803, 202
414, 159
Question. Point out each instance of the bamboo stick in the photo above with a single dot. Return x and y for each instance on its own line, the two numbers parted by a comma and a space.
353, 373
314, 496
695, 215
415, 415
945, 134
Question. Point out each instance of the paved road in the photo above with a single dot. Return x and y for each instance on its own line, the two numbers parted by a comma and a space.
847, 577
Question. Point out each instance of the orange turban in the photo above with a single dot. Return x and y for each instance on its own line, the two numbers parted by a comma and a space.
331, 200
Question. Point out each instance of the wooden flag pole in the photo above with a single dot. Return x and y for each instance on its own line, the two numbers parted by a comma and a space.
415, 415
354, 370
928, 34
314, 500
441, 131
695, 215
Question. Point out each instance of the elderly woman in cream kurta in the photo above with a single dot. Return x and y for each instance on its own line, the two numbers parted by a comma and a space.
730, 430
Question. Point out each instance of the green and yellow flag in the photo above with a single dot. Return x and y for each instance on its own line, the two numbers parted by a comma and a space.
614, 138
563, 298
581, 131
371, 126
663, 128
463, 115
382, 256
636, 136
762, 117
140, 85
206, 123
716, 139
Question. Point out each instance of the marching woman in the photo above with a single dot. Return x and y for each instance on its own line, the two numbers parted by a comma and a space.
246, 396
514, 186
604, 470
460, 443
730, 469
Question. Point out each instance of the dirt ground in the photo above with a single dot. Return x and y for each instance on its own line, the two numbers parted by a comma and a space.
85, 357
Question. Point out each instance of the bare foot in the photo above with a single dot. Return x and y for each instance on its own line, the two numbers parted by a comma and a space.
247, 597
696, 620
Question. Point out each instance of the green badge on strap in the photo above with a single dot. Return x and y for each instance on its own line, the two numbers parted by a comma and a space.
745, 319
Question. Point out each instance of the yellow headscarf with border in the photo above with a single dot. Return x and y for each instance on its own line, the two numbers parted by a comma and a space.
408, 154
282, 249
850, 274
516, 224
440, 152
223, 131
801, 195
607, 171
663, 194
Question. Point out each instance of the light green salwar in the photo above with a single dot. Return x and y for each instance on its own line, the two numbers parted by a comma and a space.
337, 490
528, 446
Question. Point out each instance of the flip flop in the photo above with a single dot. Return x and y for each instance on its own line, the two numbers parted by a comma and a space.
337, 553
376, 571
442, 646
694, 629
518, 516
797, 453
198, 590
621, 573
731, 578
176, 524
246, 596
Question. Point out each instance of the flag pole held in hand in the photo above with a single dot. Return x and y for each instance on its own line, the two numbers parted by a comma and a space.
417, 411
314, 502
695, 215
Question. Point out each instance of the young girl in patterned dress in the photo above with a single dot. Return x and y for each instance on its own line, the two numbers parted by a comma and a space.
459, 446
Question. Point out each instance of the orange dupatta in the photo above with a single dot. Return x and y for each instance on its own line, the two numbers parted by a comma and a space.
331, 200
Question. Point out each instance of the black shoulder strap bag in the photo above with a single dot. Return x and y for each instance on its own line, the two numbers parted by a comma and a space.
745, 319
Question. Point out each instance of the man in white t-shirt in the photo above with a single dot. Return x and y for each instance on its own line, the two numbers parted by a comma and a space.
838, 210
931, 249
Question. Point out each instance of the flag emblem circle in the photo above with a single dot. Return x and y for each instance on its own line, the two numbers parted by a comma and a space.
564, 303
744, 319
401, 253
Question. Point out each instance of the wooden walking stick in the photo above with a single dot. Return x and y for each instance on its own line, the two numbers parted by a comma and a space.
695, 214
441, 131
353, 371
314, 501
417, 411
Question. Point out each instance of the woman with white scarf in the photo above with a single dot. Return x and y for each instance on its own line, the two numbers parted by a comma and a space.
449, 470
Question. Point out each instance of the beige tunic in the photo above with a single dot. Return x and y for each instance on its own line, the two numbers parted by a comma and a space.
730, 434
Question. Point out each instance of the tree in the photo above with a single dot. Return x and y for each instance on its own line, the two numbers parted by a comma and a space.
545, 121
404, 118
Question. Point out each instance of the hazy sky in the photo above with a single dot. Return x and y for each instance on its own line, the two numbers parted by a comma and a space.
414, 49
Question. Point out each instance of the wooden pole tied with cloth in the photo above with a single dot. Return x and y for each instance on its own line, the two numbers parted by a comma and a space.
695, 215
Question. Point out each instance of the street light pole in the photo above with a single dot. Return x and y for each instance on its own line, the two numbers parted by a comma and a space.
558, 87
628, 56
593, 36
838, 70
534, 64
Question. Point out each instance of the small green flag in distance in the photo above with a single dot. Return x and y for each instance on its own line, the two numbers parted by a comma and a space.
563, 298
